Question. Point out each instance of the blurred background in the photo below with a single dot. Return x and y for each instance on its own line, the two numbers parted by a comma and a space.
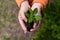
10, 28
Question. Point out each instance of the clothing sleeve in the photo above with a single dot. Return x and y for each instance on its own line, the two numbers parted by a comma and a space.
43, 2
19, 2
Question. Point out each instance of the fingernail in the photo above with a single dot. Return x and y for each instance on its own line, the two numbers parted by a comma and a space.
32, 30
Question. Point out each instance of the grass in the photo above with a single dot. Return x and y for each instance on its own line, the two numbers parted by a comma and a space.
8, 19
8, 12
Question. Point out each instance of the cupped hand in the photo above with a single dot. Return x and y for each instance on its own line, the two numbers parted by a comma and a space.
24, 8
38, 6
21, 16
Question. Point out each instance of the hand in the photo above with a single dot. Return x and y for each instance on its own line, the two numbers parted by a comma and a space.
21, 15
38, 6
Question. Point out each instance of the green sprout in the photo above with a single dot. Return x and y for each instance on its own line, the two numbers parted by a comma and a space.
31, 15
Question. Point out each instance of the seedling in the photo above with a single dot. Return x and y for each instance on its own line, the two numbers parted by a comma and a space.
32, 18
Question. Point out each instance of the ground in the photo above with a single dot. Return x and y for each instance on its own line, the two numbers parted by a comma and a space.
9, 25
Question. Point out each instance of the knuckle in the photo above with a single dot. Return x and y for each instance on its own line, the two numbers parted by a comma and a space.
19, 17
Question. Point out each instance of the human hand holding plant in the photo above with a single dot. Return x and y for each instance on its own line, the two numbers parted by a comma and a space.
38, 6
21, 15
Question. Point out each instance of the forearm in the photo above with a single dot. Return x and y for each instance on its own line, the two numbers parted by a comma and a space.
24, 6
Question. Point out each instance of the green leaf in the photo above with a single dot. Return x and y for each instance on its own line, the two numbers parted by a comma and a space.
30, 10
30, 20
35, 11
27, 14
38, 18
31, 15
34, 20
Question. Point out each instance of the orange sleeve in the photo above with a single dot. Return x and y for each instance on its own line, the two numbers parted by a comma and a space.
19, 2
43, 2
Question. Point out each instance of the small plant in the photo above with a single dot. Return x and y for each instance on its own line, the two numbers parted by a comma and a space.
32, 18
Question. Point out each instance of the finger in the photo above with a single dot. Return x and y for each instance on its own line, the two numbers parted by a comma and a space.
19, 16
32, 30
35, 26
23, 25
23, 17
21, 13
